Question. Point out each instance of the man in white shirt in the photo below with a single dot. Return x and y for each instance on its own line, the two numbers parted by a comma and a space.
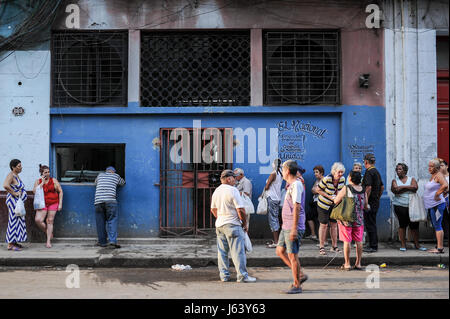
228, 209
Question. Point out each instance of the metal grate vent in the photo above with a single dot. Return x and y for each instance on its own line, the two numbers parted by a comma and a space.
89, 68
302, 67
195, 69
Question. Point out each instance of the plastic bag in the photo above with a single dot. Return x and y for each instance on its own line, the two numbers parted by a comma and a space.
20, 208
248, 205
248, 243
39, 200
417, 211
262, 205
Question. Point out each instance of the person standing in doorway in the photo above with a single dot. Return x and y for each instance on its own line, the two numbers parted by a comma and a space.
293, 226
53, 196
106, 210
228, 209
374, 187
17, 230
273, 193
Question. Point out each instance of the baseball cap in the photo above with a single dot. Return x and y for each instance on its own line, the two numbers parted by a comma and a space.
227, 173
110, 168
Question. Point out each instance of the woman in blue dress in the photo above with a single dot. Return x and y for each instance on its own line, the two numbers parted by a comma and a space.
16, 231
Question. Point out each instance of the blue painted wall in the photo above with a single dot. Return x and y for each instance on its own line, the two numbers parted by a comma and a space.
347, 132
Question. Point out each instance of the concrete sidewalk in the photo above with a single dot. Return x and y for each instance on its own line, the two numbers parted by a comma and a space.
165, 252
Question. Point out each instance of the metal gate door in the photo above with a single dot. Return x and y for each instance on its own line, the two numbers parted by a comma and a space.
191, 161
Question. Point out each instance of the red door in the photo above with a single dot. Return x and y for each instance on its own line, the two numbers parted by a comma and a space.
442, 105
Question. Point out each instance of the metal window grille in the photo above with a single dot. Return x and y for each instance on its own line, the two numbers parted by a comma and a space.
195, 69
89, 68
302, 67
186, 186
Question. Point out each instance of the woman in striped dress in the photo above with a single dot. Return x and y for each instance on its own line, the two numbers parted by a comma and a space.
16, 231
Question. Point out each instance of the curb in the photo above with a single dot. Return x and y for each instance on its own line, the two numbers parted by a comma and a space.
109, 261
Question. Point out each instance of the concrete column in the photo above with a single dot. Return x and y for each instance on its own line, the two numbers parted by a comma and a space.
134, 50
256, 67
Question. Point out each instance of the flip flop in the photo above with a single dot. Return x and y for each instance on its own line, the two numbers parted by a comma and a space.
14, 248
402, 249
345, 268
357, 268
322, 251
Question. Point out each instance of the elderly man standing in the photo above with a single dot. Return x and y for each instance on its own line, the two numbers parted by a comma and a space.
227, 208
106, 212
243, 184
244, 187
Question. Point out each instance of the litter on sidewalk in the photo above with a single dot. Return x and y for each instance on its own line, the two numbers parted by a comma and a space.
181, 267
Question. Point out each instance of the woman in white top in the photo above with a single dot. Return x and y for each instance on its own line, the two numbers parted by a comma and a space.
401, 187
273, 194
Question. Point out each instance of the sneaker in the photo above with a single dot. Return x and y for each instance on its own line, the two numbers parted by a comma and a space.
370, 250
225, 279
113, 245
294, 290
248, 279
101, 245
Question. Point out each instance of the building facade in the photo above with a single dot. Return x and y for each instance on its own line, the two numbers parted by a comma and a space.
173, 92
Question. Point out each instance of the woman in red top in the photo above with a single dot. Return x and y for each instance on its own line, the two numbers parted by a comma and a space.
53, 195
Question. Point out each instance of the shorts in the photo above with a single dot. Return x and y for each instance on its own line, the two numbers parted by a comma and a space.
52, 207
437, 222
347, 234
402, 214
292, 247
324, 215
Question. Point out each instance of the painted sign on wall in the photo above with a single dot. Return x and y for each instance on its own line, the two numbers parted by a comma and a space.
292, 138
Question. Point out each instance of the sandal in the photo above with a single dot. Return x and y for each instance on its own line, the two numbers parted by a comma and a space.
335, 249
14, 248
18, 245
322, 251
345, 268
437, 251
357, 268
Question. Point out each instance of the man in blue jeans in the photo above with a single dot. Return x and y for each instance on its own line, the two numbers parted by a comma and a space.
106, 212
228, 209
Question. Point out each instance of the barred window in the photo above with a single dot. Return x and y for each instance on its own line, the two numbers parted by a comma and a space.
195, 68
89, 68
302, 67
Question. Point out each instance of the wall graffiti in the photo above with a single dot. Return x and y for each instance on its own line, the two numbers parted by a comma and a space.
292, 138
358, 150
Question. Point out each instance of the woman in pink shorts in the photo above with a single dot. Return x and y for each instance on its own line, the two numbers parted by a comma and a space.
352, 231
53, 195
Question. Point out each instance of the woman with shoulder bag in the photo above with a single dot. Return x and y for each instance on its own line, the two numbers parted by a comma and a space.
53, 195
349, 231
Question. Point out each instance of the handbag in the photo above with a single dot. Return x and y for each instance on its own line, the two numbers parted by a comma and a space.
39, 200
248, 243
417, 211
19, 210
248, 205
345, 210
262, 205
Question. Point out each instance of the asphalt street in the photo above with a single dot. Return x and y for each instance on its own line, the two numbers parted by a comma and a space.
408, 282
